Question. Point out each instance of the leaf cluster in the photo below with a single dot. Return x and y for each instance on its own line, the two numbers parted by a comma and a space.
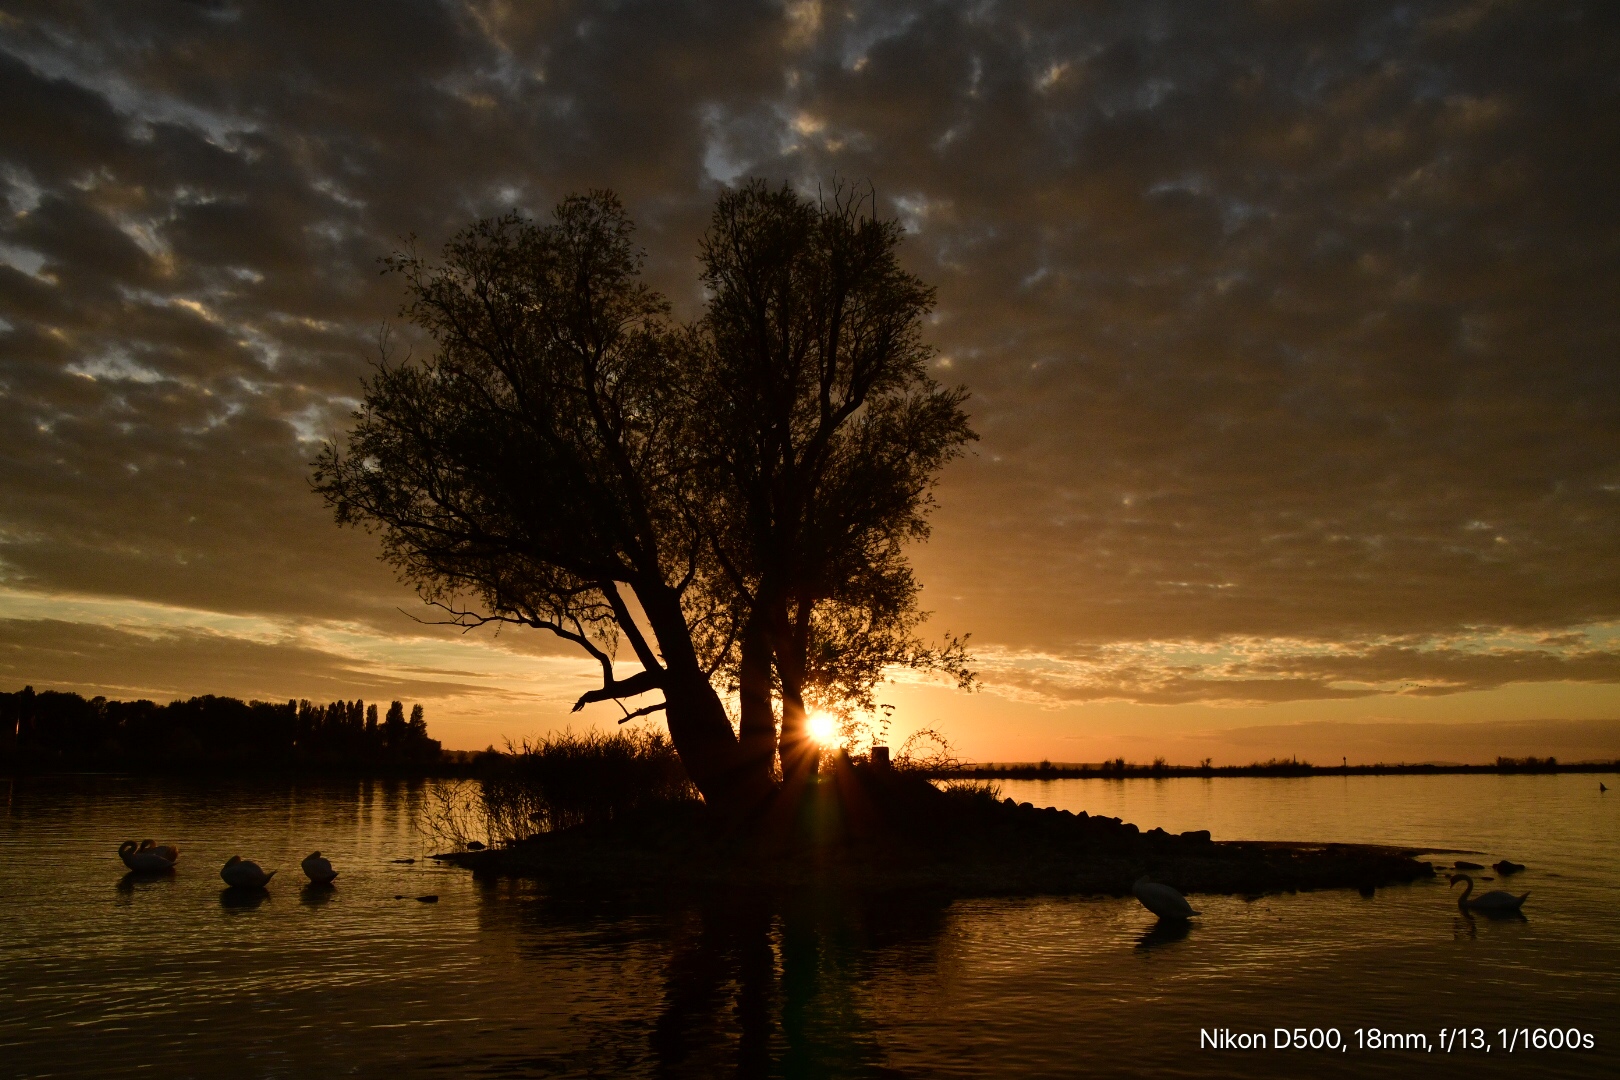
545, 453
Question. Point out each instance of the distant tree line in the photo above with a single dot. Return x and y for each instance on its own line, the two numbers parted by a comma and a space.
54, 728
1527, 764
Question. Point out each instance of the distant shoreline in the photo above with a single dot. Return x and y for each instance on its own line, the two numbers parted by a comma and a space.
303, 770
1110, 770
472, 764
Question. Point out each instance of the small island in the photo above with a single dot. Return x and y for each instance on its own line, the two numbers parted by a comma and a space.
615, 812
869, 829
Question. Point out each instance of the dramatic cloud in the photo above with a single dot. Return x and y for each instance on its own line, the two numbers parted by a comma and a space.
1257, 670
1290, 328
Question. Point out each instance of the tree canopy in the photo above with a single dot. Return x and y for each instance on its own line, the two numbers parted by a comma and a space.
831, 433
729, 499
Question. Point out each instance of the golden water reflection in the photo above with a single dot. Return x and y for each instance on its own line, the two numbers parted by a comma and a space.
503, 978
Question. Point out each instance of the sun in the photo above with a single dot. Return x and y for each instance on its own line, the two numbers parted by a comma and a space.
822, 727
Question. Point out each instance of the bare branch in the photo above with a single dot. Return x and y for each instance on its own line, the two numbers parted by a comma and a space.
640, 683
627, 623
467, 620
643, 711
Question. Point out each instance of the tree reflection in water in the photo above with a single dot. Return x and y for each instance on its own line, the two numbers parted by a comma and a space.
746, 985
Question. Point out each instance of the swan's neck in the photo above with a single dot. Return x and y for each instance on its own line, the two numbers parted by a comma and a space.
1462, 901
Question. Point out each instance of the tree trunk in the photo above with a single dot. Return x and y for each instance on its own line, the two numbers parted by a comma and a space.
801, 757
713, 758
758, 727
698, 725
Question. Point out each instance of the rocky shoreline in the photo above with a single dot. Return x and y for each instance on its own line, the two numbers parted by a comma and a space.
865, 830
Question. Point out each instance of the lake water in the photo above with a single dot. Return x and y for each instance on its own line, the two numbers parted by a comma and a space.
100, 976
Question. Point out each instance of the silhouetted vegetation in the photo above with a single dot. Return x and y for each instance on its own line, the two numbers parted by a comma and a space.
1527, 764
831, 433
594, 810
927, 751
559, 782
871, 827
50, 729
572, 459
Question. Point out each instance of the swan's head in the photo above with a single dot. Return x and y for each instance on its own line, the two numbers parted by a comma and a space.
1454, 878
126, 847
233, 860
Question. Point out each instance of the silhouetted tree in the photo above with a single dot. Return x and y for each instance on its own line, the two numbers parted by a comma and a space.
829, 433
394, 726
572, 460
543, 462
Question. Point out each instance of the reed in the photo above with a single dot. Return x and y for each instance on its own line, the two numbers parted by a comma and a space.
557, 782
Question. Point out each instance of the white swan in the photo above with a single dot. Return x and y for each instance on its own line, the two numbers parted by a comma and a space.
149, 858
318, 868
239, 873
1162, 900
1495, 902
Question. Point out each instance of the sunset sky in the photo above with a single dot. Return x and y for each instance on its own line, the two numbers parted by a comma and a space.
1292, 332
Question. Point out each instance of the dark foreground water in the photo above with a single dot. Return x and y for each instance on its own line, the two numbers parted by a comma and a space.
102, 976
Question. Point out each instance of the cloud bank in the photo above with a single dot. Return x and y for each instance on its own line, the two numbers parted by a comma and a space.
1290, 329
